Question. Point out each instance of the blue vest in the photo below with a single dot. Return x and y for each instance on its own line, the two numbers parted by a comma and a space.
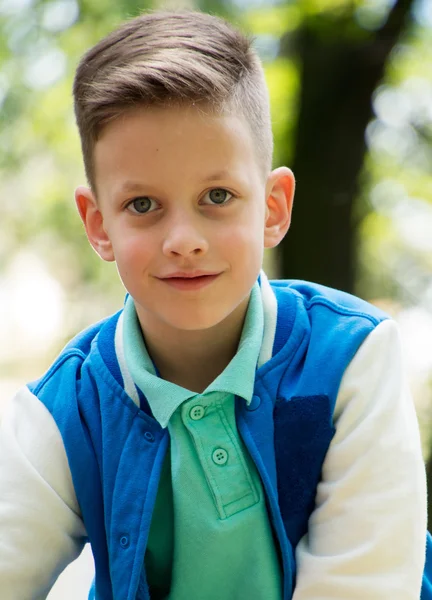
116, 450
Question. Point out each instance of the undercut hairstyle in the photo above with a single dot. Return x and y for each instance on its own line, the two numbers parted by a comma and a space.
163, 59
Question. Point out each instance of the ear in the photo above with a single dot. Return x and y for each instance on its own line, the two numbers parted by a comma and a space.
279, 200
92, 218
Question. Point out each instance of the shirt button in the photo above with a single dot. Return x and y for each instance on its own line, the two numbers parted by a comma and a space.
196, 413
220, 456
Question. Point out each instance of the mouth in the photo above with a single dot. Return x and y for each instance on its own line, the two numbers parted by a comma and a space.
190, 281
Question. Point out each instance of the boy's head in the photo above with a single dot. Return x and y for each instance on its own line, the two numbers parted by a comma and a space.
174, 120
169, 59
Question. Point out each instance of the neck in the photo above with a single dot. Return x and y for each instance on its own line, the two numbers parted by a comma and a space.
193, 359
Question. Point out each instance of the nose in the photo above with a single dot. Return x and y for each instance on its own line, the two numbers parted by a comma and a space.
184, 238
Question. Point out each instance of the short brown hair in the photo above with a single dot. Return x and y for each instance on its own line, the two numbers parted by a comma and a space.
171, 58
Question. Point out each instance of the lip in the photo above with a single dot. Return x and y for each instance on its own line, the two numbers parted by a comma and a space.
189, 274
191, 280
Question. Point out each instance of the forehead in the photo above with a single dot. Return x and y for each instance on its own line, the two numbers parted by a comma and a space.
175, 141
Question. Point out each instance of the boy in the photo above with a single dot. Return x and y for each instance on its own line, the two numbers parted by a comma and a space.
221, 436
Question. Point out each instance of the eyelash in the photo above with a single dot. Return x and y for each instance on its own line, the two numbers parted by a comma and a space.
220, 190
131, 202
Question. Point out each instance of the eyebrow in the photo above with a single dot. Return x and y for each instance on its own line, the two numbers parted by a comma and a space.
217, 176
131, 186
135, 186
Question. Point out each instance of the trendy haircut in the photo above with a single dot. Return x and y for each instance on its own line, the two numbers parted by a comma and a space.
171, 59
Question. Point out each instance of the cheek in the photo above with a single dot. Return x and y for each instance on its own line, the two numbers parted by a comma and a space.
247, 229
243, 248
133, 251
248, 235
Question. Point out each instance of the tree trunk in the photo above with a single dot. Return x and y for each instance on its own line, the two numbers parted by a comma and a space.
339, 73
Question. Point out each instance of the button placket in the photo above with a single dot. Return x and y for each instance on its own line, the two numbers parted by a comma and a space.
221, 455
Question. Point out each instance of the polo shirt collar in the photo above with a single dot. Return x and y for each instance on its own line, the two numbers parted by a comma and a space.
165, 397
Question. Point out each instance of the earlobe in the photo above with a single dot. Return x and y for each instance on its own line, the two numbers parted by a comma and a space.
279, 200
92, 219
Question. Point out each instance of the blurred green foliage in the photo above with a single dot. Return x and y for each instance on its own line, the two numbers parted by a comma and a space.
396, 233
41, 42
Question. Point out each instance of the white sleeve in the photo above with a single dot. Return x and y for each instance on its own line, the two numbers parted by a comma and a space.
366, 537
41, 529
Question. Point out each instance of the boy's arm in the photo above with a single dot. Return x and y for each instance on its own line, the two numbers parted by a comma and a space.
367, 534
41, 530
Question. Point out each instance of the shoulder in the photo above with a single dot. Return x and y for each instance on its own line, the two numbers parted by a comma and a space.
317, 332
81, 353
322, 314
315, 298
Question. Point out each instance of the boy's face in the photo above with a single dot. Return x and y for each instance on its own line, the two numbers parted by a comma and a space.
185, 211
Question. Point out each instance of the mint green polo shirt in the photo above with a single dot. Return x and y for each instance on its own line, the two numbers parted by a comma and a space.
210, 535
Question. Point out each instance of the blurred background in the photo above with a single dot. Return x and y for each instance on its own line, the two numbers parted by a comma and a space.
351, 92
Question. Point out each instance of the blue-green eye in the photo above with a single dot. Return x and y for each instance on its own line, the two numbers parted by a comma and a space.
218, 196
141, 205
